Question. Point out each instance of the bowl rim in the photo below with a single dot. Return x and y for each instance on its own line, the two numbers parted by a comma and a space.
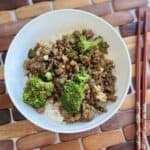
61, 130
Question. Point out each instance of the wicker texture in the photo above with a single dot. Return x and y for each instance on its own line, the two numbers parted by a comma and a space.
118, 133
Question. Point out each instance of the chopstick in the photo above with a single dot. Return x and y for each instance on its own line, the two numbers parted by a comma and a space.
138, 84
141, 95
144, 85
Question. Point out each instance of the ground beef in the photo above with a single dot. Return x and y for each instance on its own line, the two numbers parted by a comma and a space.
64, 61
69, 117
88, 33
88, 112
34, 67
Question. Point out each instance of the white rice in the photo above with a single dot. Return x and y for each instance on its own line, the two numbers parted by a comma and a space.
53, 113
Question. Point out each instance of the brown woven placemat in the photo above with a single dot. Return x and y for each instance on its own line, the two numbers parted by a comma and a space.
118, 133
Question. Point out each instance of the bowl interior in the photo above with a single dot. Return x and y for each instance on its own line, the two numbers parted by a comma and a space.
50, 26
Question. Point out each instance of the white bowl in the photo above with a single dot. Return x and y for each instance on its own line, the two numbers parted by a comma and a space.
56, 23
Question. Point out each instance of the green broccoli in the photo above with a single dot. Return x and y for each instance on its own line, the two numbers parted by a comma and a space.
37, 91
49, 76
72, 96
84, 45
82, 76
73, 93
72, 55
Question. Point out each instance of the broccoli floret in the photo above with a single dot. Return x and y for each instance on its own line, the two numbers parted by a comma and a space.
72, 96
84, 45
49, 76
37, 91
82, 76
72, 55
73, 93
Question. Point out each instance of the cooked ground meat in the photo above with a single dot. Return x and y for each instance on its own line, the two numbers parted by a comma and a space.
88, 33
63, 59
88, 112
68, 117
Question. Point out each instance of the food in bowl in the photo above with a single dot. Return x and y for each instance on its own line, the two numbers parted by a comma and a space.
64, 22
72, 76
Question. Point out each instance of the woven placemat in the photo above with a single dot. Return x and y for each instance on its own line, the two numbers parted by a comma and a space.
118, 133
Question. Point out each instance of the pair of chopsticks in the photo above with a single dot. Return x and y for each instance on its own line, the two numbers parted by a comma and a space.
141, 85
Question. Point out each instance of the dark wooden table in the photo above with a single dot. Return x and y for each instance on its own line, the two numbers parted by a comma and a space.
118, 133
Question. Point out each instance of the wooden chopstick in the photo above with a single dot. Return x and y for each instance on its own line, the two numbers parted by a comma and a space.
138, 84
144, 84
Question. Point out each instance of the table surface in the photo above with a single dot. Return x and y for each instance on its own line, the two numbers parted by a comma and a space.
118, 132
